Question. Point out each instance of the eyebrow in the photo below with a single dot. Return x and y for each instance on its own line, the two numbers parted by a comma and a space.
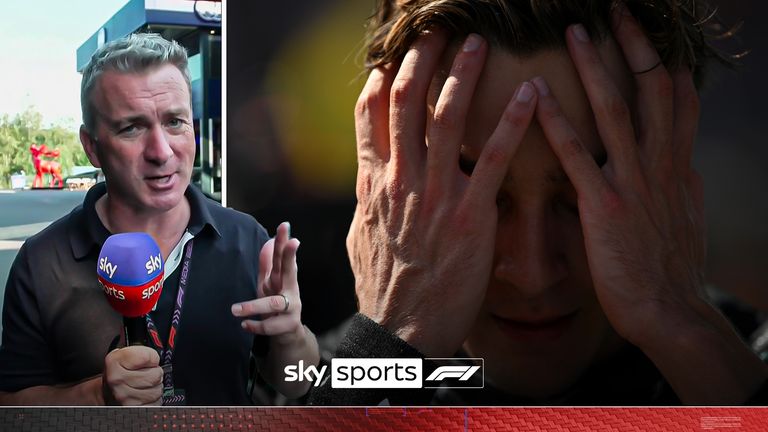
176, 112
115, 124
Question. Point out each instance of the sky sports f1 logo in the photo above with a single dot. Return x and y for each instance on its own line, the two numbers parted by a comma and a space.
454, 373
378, 373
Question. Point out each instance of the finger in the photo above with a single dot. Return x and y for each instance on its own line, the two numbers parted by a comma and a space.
265, 265
156, 402
494, 160
654, 85
261, 306
279, 324
134, 397
289, 274
612, 115
148, 378
281, 239
372, 129
686, 118
408, 103
446, 127
577, 162
124, 380
136, 357
372, 116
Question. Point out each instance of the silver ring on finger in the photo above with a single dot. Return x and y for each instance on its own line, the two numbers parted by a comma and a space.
648, 69
287, 303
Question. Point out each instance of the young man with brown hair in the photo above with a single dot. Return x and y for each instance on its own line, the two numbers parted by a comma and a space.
525, 195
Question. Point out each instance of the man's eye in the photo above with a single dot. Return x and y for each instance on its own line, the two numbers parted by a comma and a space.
176, 123
503, 203
128, 130
601, 159
466, 166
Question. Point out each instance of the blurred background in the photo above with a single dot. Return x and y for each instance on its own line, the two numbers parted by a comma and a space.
40, 104
293, 71
732, 156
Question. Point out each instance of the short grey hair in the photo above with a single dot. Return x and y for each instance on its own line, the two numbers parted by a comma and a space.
135, 53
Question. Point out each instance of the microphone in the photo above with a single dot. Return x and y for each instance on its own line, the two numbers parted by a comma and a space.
130, 271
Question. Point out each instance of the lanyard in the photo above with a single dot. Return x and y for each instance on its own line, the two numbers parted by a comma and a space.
170, 395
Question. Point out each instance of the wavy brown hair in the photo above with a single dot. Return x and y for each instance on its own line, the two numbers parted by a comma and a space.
680, 29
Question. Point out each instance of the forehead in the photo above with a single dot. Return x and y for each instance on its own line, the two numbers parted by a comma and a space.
504, 71
162, 86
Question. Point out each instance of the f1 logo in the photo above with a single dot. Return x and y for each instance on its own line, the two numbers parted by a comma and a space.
454, 373
463, 373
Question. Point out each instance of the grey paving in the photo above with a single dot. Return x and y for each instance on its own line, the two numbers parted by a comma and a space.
24, 213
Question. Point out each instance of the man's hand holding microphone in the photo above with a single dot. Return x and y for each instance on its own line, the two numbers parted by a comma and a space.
130, 271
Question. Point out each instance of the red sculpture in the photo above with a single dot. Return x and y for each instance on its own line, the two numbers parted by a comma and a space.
43, 166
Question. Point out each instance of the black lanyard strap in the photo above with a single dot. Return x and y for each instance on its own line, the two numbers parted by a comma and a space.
166, 353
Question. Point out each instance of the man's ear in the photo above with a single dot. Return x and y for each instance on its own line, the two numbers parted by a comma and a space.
89, 145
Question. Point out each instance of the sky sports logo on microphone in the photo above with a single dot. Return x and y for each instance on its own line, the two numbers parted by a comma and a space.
384, 373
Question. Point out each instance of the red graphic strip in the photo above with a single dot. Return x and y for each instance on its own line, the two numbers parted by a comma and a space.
386, 419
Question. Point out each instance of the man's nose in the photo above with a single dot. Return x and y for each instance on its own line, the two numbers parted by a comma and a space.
157, 148
528, 257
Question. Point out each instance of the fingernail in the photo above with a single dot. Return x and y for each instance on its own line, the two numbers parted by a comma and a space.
472, 43
525, 92
236, 309
244, 325
580, 32
288, 225
541, 86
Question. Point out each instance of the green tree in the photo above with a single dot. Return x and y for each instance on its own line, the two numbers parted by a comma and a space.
17, 133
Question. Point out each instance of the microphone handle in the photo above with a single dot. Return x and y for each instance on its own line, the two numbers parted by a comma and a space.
135, 331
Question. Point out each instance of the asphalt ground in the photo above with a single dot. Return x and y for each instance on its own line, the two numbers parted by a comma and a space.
25, 213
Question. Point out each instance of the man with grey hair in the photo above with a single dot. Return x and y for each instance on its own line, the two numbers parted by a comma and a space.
58, 328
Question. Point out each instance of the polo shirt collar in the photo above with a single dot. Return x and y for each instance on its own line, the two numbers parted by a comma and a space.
87, 232
200, 211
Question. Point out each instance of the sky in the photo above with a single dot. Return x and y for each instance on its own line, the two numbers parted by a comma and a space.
38, 42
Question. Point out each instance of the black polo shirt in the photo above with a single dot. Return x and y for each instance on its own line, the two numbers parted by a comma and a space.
58, 325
